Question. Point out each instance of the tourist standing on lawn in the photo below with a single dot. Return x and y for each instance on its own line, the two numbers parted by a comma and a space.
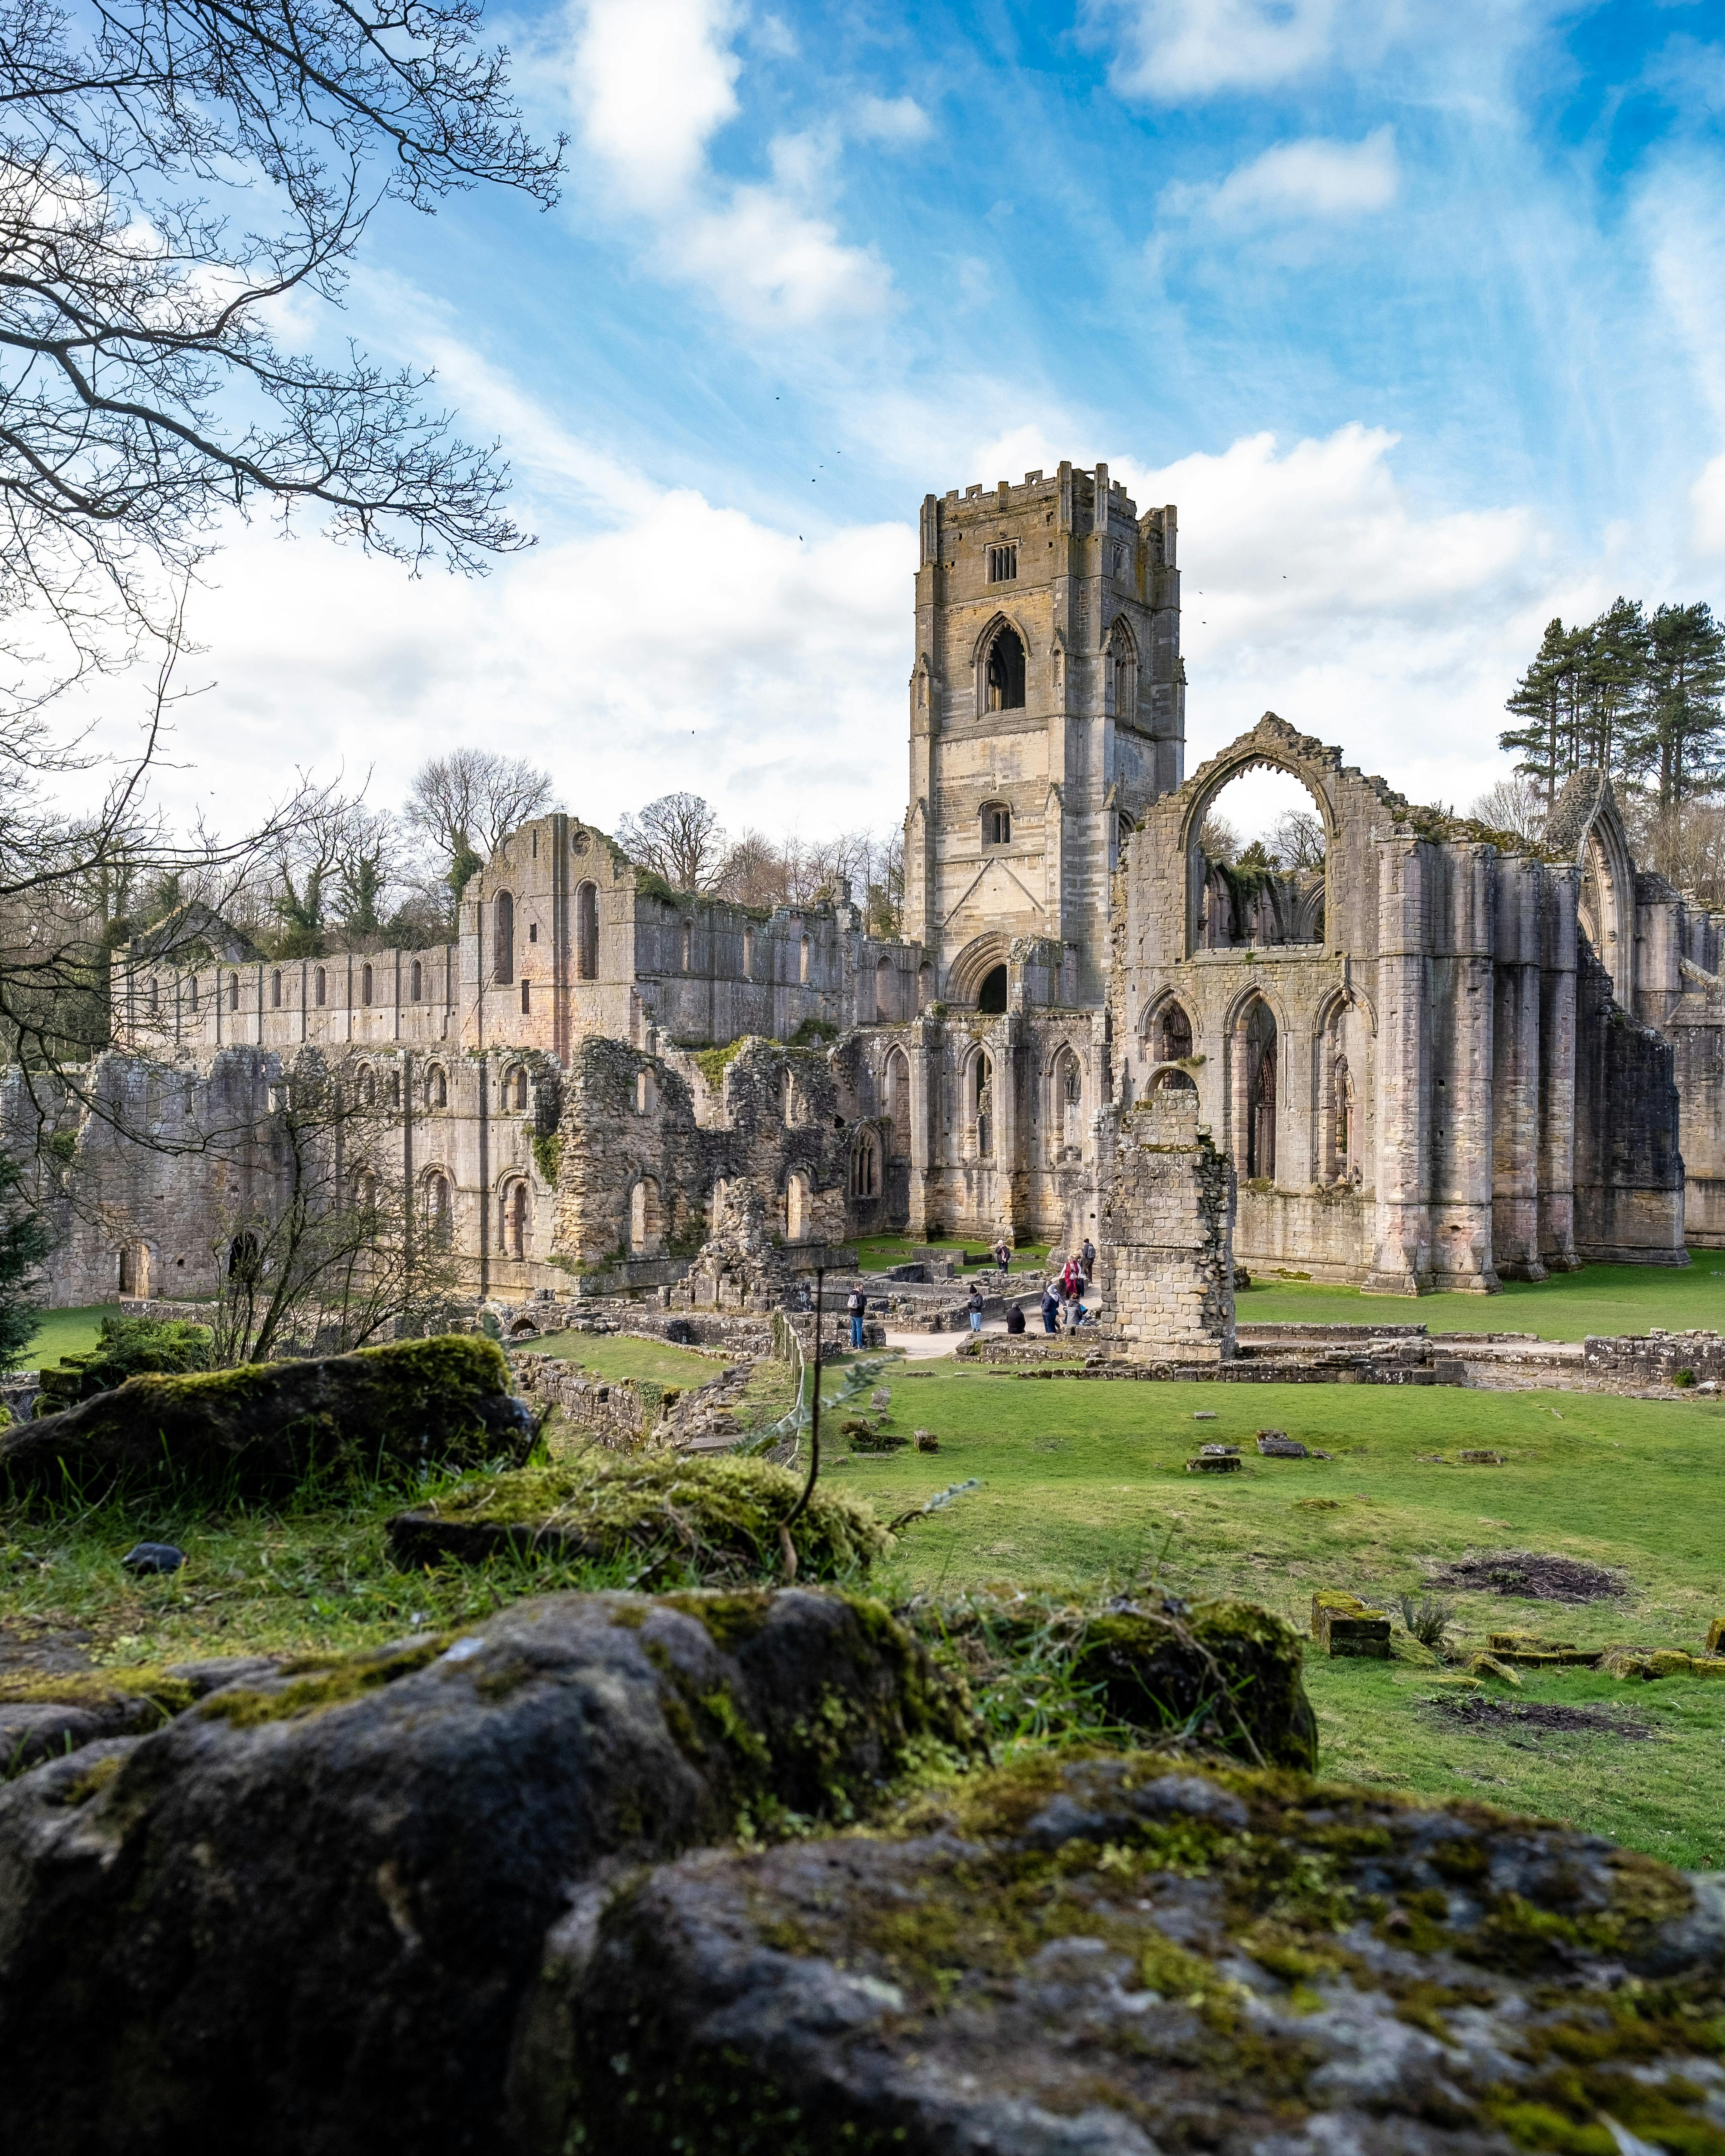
856, 1305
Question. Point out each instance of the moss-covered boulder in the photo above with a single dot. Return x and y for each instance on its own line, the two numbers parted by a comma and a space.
49, 1714
1223, 1677
261, 1430
719, 1519
303, 1915
128, 1347
1123, 1956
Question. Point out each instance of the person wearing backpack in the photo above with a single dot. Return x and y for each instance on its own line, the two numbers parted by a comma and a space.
1087, 1259
856, 1305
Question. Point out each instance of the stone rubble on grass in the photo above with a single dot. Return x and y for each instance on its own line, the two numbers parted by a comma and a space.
1344, 1626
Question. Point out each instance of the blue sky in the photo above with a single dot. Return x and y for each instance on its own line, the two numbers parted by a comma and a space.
1417, 312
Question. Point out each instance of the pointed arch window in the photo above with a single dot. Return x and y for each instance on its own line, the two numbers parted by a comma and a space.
503, 936
1003, 675
997, 823
587, 932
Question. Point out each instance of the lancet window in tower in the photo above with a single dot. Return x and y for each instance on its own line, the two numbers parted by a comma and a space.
1004, 563
1006, 672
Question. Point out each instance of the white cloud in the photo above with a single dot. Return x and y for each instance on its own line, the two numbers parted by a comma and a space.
1175, 48
1681, 213
893, 119
1313, 587
652, 81
1315, 178
1707, 499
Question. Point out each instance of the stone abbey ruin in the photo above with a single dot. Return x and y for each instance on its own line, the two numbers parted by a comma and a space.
1445, 1057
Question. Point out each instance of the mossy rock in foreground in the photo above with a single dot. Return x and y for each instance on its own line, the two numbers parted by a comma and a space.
1223, 1677
720, 1518
261, 1430
1115, 1956
315, 1901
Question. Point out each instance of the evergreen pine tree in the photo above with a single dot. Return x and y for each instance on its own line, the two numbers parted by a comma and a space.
1615, 671
1677, 745
24, 1243
1538, 700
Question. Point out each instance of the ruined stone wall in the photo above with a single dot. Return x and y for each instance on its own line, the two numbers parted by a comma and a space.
1629, 1172
1434, 1074
1165, 1277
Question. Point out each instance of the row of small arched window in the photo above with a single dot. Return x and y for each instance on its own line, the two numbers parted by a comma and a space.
320, 987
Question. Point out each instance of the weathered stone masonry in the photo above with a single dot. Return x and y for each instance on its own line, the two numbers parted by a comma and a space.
1443, 1059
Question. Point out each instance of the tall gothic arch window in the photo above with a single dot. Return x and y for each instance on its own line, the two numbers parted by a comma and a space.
1123, 665
1255, 1087
1003, 676
503, 936
587, 932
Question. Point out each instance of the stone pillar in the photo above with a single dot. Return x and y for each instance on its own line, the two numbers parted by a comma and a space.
1557, 1071
1165, 1267
1515, 1075
925, 1082
1401, 1255
1462, 1071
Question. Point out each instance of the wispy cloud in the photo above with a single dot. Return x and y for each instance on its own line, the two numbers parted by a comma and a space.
1315, 178
890, 120
652, 81
1170, 49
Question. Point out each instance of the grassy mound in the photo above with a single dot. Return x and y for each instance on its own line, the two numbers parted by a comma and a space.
128, 1348
265, 1430
720, 1518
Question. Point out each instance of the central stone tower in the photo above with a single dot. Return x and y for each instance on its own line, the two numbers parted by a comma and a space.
1047, 712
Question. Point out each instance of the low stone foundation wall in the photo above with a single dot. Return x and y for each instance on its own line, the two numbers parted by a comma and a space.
1655, 1362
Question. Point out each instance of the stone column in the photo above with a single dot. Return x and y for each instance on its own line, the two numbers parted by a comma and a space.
1401, 1255
1463, 1072
1165, 1275
1557, 1070
923, 1094
1515, 1075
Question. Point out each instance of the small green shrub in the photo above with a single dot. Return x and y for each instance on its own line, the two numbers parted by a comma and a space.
129, 1348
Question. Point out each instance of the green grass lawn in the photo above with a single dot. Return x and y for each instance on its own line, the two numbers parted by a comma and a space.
1605, 1299
1082, 1491
1083, 1488
66, 1332
617, 1355
875, 1253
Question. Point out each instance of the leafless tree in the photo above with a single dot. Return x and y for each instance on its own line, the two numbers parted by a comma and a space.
170, 175
1218, 841
325, 1255
677, 837
796, 871
463, 805
1512, 804
1685, 843
1297, 839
